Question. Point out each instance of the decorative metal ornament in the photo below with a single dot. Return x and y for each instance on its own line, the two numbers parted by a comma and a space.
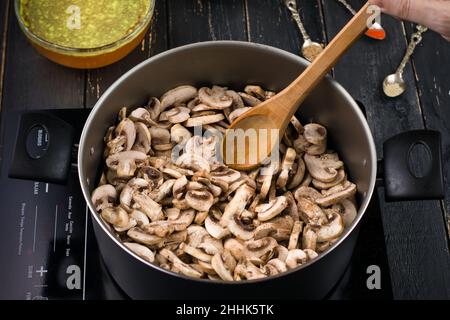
375, 32
310, 49
394, 85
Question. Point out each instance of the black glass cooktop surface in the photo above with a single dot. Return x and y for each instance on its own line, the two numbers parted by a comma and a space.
48, 249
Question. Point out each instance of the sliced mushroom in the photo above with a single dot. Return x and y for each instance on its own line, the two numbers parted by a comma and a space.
272, 209
249, 99
327, 185
152, 175
215, 97
311, 254
159, 136
162, 191
292, 208
126, 130
179, 134
279, 228
104, 197
116, 216
323, 168
274, 266
337, 194
309, 238
296, 230
142, 115
178, 95
213, 226
316, 136
281, 252
145, 204
143, 139
224, 174
196, 253
237, 113
240, 229
140, 236
296, 258
262, 248
347, 211
331, 230
126, 195
202, 120
140, 250
200, 200
180, 265
242, 196
140, 218
311, 212
256, 91
194, 162
297, 178
222, 268
286, 167
235, 247
177, 114
125, 163
308, 193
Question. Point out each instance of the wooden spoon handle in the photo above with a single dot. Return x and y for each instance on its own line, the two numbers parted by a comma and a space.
297, 91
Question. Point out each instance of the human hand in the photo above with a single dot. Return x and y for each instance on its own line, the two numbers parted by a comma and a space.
434, 14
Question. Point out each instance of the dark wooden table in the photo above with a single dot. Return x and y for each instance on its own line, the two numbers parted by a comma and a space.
416, 233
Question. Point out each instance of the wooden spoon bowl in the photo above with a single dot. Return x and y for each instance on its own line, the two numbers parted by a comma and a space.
255, 135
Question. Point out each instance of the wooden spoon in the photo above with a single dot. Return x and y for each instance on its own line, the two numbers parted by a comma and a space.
264, 125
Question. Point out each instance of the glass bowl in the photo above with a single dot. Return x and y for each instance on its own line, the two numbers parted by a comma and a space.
55, 29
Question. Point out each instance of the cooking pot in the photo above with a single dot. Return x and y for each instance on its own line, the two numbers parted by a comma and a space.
235, 64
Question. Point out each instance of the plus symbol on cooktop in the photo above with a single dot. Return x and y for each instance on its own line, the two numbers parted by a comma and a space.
41, 271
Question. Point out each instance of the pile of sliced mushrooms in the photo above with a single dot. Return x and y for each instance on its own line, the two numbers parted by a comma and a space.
195, 216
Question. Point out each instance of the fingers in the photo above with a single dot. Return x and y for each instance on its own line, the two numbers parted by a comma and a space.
435, 14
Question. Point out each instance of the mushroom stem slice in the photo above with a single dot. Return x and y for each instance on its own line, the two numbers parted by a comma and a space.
296, 230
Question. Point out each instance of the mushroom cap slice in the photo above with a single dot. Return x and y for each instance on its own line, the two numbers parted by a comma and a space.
297, 178
177, 114
271, 210
337, 194
323, 168
221, 269
145, 204
235, 247
331, 230
140, 250
126, 129
179, 134
256, 91
237, 113
215, 97
194, 162
279, 228
159, 135
125, 163
225, 174
316, 134
242, 196
201, 200
143, 139
309, 238
214, 228
140, 218
262, 248
142, 115
118, 217
240, 229
347, 210
152, 175
295, 258
327, 185
311, 212
202, 120
179, 187
249, 99
308, 193
178, 95
194, 252
104, 197
296, 230
274, 266
140, 236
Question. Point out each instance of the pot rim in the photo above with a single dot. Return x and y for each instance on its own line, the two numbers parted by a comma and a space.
227, 43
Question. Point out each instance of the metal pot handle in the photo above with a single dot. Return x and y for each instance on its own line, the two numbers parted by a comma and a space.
401, 178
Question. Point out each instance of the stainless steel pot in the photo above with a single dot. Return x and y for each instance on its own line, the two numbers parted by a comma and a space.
233, 64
